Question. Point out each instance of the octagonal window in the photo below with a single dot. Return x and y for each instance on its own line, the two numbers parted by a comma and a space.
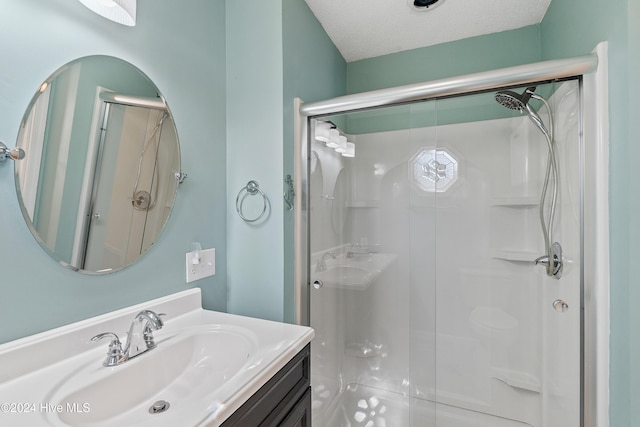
433, 170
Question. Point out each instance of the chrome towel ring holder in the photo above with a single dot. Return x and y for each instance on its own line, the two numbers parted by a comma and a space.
251, 189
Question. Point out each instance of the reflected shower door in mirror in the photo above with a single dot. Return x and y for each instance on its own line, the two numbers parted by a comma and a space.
132, 199
100, 176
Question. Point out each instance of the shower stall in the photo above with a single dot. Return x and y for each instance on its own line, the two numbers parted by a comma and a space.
442, 259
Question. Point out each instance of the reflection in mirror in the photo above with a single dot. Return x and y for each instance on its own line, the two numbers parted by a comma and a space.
102, 167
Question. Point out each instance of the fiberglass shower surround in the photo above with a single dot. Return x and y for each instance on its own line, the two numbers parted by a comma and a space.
450, 319
429, 310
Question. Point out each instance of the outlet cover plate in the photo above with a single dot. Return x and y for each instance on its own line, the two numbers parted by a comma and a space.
205, 268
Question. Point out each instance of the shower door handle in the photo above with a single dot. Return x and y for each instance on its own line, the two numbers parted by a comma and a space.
318, 284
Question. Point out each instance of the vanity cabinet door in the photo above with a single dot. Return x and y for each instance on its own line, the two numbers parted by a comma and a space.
300, 415
285, 400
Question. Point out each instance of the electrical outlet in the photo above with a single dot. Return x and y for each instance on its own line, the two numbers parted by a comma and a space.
204, 267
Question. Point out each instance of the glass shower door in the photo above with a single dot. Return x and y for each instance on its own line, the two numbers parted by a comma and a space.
366, 224
428, 307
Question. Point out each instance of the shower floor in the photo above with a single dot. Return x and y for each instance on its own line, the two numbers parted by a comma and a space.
362, 406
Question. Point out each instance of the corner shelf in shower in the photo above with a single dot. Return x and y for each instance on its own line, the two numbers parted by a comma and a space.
515, 256
518, 380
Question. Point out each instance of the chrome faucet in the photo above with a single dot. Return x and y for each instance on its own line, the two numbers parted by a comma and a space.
322, 264
139, 338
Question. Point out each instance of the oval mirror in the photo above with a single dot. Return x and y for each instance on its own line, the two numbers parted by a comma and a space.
102, 164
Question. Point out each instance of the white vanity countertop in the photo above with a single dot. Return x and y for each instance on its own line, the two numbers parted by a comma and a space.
38, 371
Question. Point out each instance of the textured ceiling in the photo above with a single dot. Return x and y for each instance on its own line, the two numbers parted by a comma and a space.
368, 28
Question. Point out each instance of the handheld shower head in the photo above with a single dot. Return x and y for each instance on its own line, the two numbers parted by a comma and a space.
520, 102
513, 100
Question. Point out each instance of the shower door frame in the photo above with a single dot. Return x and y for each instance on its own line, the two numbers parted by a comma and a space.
593, 70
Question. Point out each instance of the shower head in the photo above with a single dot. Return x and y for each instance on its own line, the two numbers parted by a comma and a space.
520, 102
513, 100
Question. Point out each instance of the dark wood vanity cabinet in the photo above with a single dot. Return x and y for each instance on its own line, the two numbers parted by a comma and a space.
284, 401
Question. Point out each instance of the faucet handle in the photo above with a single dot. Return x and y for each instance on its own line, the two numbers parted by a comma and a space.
115, 354
114, 341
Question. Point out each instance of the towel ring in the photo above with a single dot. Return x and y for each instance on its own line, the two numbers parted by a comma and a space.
251, 189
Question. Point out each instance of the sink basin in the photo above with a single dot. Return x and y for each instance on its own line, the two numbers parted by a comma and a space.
344, 275
206, 365
183, 366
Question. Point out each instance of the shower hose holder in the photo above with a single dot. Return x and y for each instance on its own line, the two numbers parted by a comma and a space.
554, 268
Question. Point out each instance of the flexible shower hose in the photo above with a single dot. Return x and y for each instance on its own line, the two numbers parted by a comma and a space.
552, 168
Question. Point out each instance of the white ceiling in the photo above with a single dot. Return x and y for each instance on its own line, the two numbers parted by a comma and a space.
368, 28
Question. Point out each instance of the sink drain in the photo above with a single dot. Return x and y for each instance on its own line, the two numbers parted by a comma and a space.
159, 407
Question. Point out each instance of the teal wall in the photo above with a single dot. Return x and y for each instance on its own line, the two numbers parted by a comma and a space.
254, 152
183, 51
572, 28
276, 51
313, 70
630, 325
517, 47
460, 57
